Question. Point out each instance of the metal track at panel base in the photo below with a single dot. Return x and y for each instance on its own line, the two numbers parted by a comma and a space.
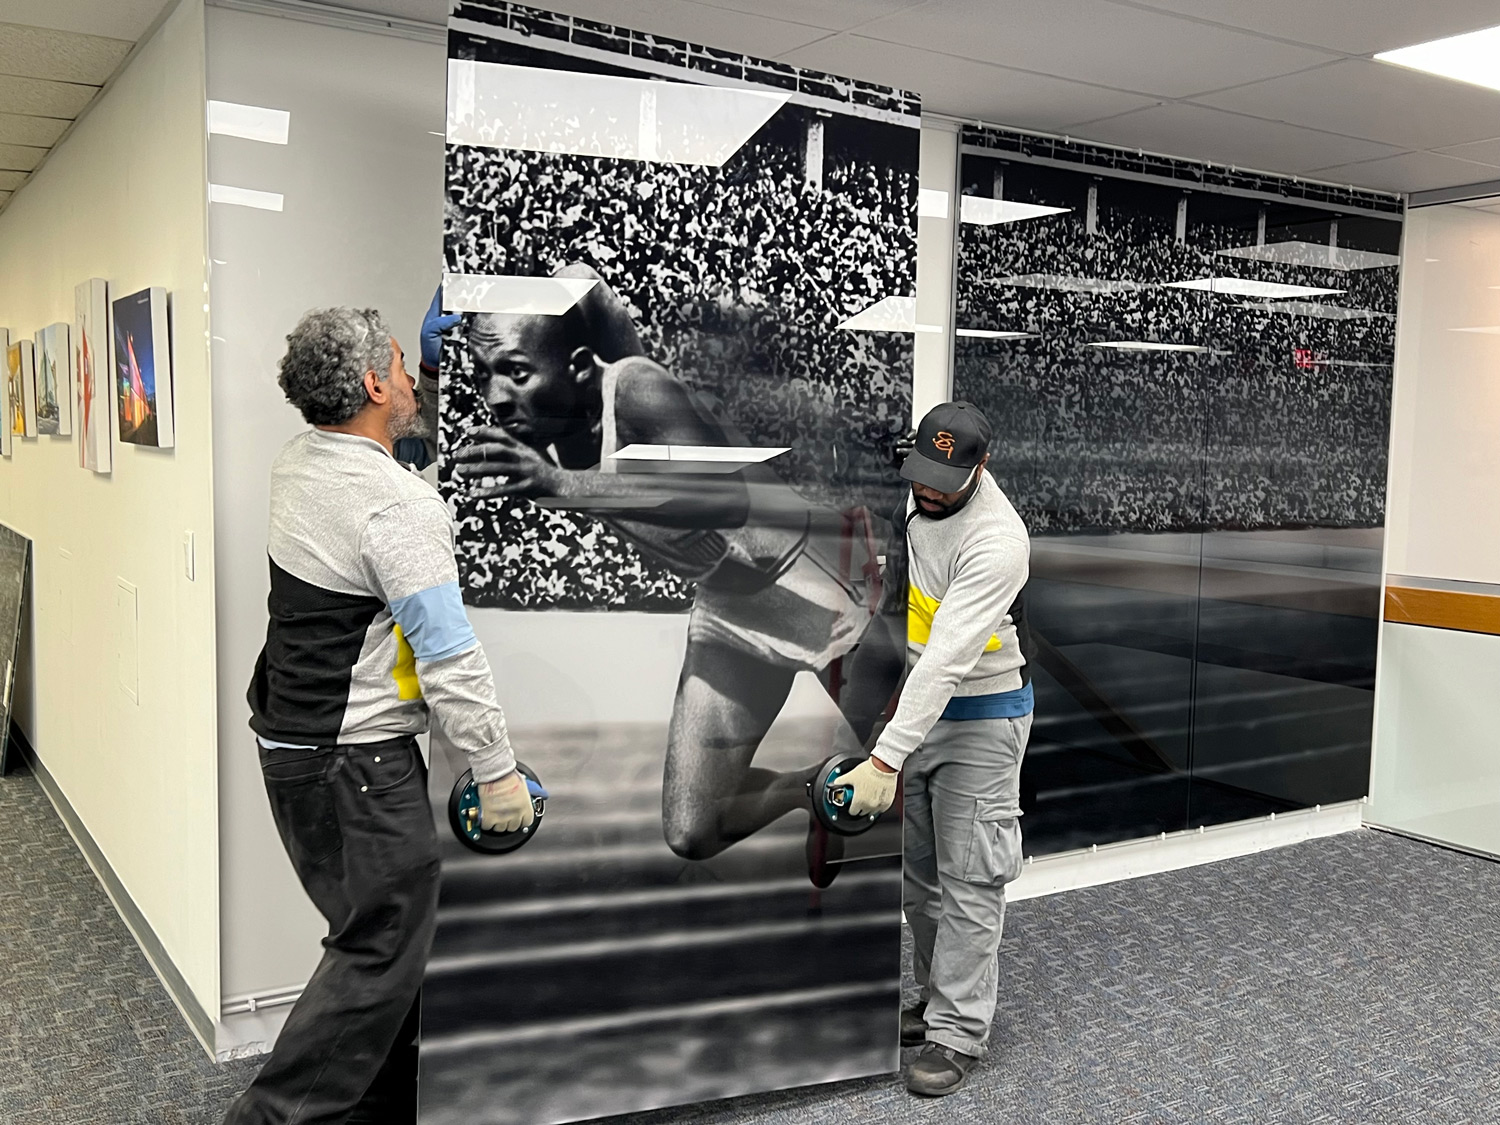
1463, 193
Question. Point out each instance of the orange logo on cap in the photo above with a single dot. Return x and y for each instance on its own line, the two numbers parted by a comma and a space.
944, 442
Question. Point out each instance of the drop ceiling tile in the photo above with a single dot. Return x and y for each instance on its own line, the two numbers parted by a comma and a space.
9, 181
118, 19
1411, 171
20, 158
683, 19
1135, 49
35, 97
967, 89
1226, 138
18, 129
62, 56
1377, 101
1359, 27
1485, 152
835, 15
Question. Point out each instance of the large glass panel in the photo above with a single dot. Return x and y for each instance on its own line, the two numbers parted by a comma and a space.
1091, 372
1303, 306
1191, 394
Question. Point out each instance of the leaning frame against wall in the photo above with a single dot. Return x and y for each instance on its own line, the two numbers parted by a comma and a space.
1189, 371
657, 247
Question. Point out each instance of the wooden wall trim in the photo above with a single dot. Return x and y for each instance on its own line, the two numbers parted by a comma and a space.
1443, 609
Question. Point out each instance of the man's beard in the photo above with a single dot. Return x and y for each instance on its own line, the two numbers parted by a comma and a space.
406, 422
946, 510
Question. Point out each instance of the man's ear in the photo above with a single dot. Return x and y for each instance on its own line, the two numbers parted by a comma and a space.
582, 363
375, 388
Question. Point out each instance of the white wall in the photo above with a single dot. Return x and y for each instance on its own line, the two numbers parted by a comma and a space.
1437, 751
123, 199
362, 180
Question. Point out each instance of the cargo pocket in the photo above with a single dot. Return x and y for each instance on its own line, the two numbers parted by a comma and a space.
994, 845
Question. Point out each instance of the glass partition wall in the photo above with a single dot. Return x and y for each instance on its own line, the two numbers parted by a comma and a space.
1189, 373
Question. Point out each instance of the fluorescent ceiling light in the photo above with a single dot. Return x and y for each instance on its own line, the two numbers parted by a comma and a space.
1146, 346
245, 197
497, 105
988, 334
252, 122
744, 454
889, 314
1473, 57
932, 203
1069, 284
1351, 363
1312, 308
1316, 255
536, 296
984, 212
1245, 287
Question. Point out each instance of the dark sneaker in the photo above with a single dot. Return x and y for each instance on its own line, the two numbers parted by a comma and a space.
938, 1070
913, 1026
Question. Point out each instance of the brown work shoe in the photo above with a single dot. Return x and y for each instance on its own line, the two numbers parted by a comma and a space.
938, 1070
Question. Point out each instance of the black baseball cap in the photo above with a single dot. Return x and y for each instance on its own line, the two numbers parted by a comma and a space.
951, 440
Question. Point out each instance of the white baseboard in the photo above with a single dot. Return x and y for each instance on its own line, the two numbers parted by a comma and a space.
1173, 851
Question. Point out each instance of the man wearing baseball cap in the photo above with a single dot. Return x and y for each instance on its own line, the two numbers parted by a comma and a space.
958, 734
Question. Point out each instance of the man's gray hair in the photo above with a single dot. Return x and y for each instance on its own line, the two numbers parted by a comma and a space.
327, 355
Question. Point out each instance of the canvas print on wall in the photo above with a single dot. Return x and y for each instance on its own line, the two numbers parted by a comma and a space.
5, 392
21, 379
143, 368
91, 363
658, 248
54, 381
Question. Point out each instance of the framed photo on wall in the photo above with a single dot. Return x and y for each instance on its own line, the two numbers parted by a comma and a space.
5, 394
91, 361
143, 368
54, 381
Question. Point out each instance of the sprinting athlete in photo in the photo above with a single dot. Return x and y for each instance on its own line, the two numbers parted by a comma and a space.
778, 589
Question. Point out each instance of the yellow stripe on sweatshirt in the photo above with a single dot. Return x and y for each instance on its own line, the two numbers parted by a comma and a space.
920, 610
405, 671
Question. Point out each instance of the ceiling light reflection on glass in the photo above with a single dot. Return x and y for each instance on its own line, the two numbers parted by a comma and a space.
246, 197
932, 203
1148, 346
250, 122
1312, 308
889, 314
739, 454
992, 334
1473, 57
1314, 255
1070, 284
520, 296
984, 212
1247, 287
496, 105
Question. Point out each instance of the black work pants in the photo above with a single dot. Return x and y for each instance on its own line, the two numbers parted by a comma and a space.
358, 829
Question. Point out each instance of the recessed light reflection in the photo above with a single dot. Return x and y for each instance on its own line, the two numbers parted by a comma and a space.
889, 314
990, 334
1147, 346
1247, 287
1313, 255
1070, 284
932, 203
246, 197
745, 454
251, 122
1485, 329
982, 212
494, 293
1312, 308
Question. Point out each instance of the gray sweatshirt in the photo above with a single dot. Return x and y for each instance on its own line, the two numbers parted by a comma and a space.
368, 629
964, 573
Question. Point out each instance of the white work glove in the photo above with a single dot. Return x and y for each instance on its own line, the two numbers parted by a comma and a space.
874, 788
505, 803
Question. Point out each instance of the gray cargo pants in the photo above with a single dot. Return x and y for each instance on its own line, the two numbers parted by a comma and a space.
962, 844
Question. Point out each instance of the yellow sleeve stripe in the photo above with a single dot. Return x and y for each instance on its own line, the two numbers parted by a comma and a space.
405, 671
920, 610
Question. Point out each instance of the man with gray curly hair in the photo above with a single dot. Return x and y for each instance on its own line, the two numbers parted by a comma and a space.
367, 638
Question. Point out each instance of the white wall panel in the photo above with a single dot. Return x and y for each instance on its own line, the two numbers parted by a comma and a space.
123, 199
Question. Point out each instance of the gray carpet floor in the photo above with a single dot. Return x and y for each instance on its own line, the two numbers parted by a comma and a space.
1351, 979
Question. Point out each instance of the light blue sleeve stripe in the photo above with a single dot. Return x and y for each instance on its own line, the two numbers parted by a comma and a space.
434, 622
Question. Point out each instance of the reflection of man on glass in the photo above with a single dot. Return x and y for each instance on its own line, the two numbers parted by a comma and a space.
773, 595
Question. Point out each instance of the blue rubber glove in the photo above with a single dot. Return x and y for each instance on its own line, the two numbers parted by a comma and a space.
434, 325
